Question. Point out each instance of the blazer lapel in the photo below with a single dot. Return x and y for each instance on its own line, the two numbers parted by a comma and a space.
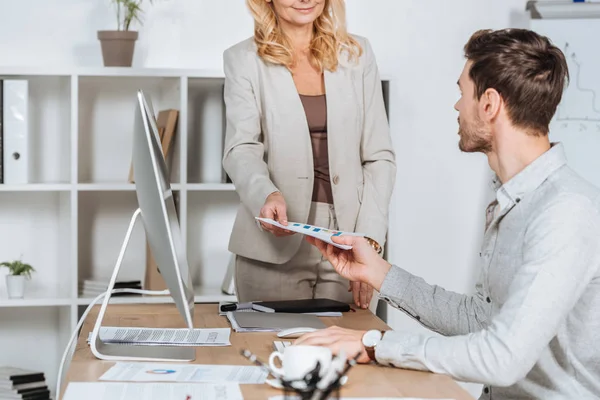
341, 114
333, 85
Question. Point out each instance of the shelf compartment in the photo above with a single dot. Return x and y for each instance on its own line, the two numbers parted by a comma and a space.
46, 329
209, 222
205, 131
37, 230
104, 218
106, 118
49, 128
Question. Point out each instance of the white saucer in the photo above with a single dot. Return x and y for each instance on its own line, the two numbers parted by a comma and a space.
276, 383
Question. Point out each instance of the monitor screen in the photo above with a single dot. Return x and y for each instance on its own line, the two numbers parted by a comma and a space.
158, 212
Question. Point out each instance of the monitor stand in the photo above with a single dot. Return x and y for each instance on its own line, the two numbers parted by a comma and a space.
129, 352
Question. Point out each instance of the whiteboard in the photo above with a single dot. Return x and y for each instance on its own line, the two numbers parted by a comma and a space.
577, 120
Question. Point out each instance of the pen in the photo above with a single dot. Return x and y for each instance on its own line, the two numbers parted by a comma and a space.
255, 360
235, 307
245, 306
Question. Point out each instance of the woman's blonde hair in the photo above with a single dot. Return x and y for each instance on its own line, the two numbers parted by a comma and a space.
330, 36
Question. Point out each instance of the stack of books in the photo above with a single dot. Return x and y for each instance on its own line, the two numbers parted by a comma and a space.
95, 287
19, 383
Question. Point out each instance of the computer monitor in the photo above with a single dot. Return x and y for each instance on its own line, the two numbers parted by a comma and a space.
159, 217
155, 199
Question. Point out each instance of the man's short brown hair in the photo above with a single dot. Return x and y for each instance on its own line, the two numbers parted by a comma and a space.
525, 68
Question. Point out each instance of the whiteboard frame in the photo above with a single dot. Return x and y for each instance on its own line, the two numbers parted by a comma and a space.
562, 9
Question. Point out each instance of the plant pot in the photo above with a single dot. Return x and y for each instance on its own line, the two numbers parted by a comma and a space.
15, 285
117, 47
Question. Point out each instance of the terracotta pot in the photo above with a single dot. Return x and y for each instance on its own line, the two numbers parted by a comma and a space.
117, 47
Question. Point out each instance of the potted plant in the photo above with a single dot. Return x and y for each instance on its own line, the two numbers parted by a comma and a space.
118, 45
15, 280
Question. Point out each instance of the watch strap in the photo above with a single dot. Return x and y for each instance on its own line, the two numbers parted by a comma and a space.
371, 349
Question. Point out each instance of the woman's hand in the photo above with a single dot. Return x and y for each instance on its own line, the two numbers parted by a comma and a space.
275, 209
362, 294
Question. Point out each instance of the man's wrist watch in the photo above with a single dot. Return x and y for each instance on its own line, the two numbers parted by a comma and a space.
376, 246
370, 340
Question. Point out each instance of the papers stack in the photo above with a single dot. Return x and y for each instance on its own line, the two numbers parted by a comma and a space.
95, 287
271, 322
236, 326
187, 373
164, 336
18, 383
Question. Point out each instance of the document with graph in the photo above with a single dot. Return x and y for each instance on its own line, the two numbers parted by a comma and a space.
164, 336
323, 234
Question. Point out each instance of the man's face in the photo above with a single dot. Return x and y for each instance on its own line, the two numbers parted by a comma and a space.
475, 136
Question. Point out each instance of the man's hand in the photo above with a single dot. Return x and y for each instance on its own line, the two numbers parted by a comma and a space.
360, 264
337, 339
362, 293
275, 209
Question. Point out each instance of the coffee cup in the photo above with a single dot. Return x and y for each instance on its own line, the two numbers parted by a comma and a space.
297, 361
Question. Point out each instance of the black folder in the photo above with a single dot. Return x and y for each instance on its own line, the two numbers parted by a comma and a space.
305, 306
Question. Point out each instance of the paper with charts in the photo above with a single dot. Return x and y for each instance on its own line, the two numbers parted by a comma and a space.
318, 232
164, 336
189, 373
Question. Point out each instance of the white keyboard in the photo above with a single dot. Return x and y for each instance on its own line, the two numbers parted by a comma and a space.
281, 345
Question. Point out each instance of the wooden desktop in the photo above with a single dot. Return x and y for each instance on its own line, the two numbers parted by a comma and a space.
364, 380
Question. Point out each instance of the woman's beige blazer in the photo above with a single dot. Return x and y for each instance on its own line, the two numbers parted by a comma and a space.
268, 148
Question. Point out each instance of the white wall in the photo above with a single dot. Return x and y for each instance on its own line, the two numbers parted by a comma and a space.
440, 194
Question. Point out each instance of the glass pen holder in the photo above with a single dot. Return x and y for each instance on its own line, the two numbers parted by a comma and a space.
298, 390
315, 384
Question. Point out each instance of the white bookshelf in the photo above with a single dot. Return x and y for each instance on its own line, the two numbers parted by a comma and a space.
69, 221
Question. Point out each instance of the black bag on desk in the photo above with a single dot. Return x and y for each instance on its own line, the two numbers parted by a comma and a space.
305, 306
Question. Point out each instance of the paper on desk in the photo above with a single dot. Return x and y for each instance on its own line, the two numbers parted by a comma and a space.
165, 336
318, 232
151, 391
154, 372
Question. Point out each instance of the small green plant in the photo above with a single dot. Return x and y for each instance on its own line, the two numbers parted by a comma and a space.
127, 12
18, 268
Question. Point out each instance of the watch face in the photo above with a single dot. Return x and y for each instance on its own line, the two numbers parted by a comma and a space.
371, 338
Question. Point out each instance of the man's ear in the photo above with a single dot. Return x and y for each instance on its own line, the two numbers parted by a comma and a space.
490, 104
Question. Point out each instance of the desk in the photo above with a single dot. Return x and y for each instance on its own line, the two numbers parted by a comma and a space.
364, 380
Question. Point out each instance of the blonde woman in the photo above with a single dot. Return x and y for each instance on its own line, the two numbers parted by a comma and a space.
307, 140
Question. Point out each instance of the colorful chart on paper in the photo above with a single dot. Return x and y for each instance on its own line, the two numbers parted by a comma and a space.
318, 232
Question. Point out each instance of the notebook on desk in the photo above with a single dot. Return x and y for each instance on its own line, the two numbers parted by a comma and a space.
275, 321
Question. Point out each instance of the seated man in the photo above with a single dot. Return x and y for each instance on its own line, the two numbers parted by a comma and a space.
532, 330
